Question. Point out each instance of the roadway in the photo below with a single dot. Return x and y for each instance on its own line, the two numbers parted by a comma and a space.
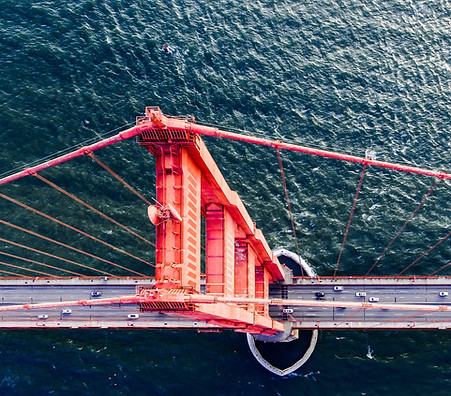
33, 291
389, 291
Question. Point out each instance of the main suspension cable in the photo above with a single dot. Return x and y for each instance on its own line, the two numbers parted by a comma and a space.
424, 254
66, 150
404, 225
289, 206
350, 217
67, 193
80, 232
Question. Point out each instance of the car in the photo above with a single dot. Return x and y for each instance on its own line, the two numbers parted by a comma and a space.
360, 294
320, 295
373, 299
66, 311
133, 316
96, 294
43, 316
443, 294
288, 311
338, 288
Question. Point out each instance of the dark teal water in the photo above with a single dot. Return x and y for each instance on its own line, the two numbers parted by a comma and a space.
341, 75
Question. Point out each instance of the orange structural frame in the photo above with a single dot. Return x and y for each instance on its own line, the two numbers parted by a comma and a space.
238, 260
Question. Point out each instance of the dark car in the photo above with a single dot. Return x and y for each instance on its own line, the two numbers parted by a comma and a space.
320, 295
96, 294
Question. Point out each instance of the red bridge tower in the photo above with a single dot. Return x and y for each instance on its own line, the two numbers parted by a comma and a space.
238, 260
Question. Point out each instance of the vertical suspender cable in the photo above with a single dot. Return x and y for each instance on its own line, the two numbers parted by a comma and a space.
424, 254
13, 273
61, 244
445, 266
119, 178
15, 201
67, 193
38, 262
28, 269
56, 257
350, 217
404, 225
289, 207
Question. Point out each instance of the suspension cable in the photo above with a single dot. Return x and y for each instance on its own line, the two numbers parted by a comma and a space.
289, 206
404, 225
27, 269
350, 217
31, 261
13, 273
112, 173
349, 317
56, 257
127, 134
445, 266
67, 193
80, 232
424, 254
66, 150
61, 244
422, 313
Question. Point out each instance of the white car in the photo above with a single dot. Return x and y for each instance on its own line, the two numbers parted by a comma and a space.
443, 294
66, 311
288, 311
43, 316
338, 288
373, 299
133, 316
360, 294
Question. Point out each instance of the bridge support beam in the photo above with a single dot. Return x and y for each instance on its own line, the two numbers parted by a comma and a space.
178, 188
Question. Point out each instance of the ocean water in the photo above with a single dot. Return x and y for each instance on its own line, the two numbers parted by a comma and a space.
339, 75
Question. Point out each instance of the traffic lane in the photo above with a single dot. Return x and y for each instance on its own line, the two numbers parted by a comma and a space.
51, 293
104, 313
384, 293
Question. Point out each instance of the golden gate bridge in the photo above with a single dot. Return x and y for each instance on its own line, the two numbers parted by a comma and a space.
213, 267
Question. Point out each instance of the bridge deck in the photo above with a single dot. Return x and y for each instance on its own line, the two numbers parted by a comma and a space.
413, 290
32, 291
388, 290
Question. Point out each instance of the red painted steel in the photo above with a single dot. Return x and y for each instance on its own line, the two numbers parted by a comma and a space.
239, 263
156, 119
190, 300
214, 248
241, 268
127, 134
189, 184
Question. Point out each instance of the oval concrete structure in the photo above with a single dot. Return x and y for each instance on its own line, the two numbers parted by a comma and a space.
288, 335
